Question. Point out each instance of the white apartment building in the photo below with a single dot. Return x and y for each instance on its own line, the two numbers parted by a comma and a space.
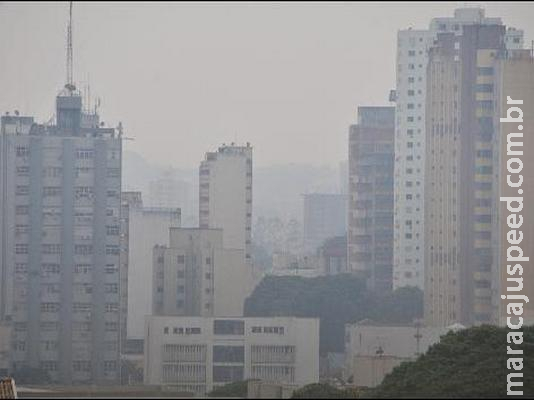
412, 60
196, 276
196, 355
225, 195
142, 228
60, 199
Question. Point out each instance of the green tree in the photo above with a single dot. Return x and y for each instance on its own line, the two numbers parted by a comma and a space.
336, 300
323, 391
470, 363
234, 389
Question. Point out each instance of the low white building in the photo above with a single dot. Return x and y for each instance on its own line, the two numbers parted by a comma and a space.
195, 355
373, 350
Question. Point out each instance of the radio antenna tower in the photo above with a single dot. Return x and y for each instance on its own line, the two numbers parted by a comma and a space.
70, 83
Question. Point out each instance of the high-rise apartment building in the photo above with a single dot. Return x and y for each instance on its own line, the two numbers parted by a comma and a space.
370, 210
225, 195
410, 132
60, 210
514, 78
459, 189
196, 276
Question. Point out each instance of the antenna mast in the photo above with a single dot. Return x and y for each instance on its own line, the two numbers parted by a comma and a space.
70, 84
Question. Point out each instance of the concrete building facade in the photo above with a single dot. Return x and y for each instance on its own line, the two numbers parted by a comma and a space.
142, 228
225, 195
514, 77
197, 355
370, 209
373, 350
196, 276
410, 132
60, 210
459, 182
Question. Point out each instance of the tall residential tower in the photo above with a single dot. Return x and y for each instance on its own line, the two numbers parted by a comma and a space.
225, 195
412, 60
60, 206
370, 215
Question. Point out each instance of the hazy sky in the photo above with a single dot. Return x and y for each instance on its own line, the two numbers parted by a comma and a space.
184, 78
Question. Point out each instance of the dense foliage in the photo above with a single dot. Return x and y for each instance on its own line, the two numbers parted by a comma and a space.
336, 300
324, 391
231, 390
469, 363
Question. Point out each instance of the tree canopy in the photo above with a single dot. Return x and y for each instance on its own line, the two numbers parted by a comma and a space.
469, 363
337, 300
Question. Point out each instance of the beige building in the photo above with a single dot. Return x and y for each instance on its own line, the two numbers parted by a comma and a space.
196, 276
196, 355
373, 350
412, 60
515, 78
459, 188
225, 195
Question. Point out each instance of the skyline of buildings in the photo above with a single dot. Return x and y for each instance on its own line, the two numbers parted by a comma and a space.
86, 269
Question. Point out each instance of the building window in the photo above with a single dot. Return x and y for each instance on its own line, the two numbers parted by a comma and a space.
111, 288
22, 190
84, 154
21, 248
22, 210
112, 250
83, 249
229, 327
22, 151
228, 354
112, 230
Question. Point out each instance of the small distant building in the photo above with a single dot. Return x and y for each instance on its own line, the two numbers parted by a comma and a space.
333, 254
288, 264
373, 350
196, 355
324, 217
